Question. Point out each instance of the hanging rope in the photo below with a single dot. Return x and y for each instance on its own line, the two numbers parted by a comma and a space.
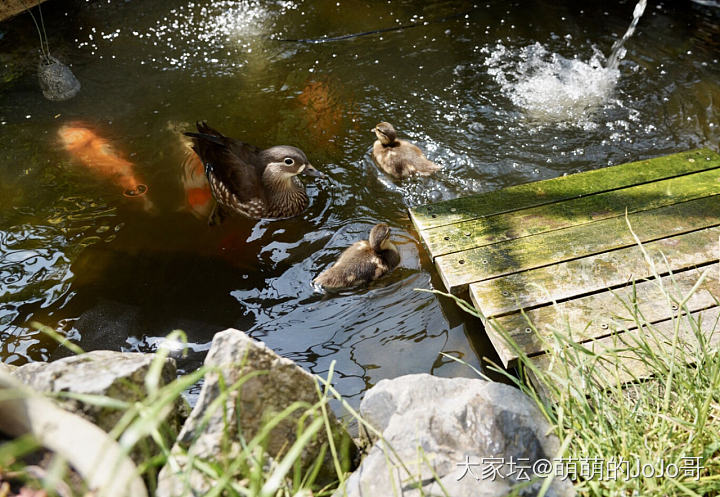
57, 81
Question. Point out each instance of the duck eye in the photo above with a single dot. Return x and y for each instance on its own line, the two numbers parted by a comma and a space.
289, 161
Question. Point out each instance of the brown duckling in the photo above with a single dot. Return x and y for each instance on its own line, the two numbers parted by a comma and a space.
253, 182
399, 158
363, 261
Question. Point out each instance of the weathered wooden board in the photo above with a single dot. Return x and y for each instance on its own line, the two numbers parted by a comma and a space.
579, 277
601, 314
606, 370
478, 264
565, 187
9, 8
549, 217
559, 254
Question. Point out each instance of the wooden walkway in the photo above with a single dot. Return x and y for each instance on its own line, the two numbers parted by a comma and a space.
559, 253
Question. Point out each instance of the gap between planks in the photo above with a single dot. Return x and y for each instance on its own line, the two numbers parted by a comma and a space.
636, 361
534, 330
578, 277
488, 230
514, 256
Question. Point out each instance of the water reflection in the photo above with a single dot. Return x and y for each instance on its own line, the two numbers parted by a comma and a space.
36, 257
479, 92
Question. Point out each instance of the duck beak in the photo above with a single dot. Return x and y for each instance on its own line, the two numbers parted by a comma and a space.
309, 170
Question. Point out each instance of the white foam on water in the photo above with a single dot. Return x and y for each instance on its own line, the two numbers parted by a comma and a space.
553, 88
550, 87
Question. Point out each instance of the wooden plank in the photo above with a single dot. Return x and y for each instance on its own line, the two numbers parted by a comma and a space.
564, 187
601, 314
607, 371
577, 277
549, 217
9, 8
462, 268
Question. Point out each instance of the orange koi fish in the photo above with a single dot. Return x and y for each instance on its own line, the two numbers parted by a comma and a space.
323, 112
198, 198
99, 155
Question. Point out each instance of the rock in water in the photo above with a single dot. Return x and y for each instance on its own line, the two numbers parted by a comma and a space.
56, 80
214, 433
468, 432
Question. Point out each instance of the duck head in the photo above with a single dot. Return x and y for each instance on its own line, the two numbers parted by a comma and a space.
285, 162
385, 133
380, 237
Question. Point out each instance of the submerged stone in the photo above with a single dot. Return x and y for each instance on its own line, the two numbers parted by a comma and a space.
57, 80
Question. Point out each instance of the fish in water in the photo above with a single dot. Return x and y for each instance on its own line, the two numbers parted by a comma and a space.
97, 154
198, 197
321, 114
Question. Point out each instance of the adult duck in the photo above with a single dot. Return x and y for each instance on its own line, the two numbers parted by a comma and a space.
249, 181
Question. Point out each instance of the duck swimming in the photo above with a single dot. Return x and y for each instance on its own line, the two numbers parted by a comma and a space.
399, 158
249, 181
363, 261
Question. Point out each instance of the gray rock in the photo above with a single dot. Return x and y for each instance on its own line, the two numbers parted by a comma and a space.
57, 81
451, 428
118, 375
7, 368
211, 434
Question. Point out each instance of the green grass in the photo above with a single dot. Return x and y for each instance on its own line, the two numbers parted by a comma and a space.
243, 468
667, 415
664, 416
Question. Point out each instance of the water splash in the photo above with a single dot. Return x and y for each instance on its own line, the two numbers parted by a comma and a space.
553, 88
548, 86
618, 49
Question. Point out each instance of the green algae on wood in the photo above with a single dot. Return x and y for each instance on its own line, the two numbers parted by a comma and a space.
565, 187
577, 277
601, 314
462, 268
492, 229
563, 254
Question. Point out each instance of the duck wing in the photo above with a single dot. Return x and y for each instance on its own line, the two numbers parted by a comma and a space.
231, 167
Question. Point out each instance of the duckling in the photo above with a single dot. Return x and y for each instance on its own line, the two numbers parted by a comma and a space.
399, 158
363, 261
249, 181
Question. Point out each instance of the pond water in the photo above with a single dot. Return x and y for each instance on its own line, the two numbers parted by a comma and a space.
497, 93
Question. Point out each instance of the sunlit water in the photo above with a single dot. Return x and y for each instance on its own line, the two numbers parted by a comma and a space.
498, 94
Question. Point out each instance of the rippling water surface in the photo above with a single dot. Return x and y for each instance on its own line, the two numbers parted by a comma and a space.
497, 93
